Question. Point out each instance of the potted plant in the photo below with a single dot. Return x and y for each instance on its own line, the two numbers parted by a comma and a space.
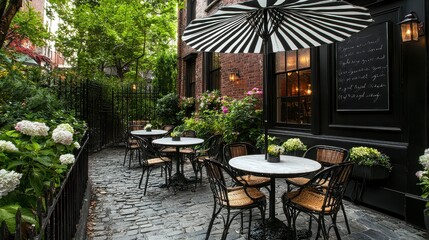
175, 136
424, 183
274, 152
148, 127
293, 146
370, 164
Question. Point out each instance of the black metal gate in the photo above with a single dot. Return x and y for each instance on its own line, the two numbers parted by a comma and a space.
108, 112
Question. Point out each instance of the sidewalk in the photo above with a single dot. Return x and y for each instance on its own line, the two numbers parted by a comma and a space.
120, 211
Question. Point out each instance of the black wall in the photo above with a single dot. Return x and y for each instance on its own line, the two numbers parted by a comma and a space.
401, 131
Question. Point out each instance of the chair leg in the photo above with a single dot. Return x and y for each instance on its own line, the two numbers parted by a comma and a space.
125, 157
141, 178
345, 218
334, 225
147, 181
250, 224
214, 214
226, 226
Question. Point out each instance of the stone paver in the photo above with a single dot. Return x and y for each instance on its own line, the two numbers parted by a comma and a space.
120, 211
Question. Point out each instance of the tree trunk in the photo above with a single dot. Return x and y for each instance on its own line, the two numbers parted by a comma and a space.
8, 12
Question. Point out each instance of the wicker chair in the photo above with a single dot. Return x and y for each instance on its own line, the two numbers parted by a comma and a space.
187, 153
327, 156
233, 198
131, 148
321, 196
210, 149
237, 149
151, 158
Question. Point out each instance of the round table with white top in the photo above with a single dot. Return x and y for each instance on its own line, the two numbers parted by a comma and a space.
289, 166
149, 134
178, 179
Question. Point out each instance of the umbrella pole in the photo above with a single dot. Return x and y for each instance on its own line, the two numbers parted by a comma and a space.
265, 37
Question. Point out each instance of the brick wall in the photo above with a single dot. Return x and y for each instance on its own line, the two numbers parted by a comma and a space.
248, 65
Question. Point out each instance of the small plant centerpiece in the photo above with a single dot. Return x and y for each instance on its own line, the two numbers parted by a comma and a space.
423, 177
274, 152
370, 163
175, 136
293, 146
148, 127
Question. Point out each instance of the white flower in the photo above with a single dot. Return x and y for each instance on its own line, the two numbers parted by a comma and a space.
63, 137
7, 146
8, 181
32, 128
67, 159
424, 161
65, 127
148, 126
76, 145
419, 174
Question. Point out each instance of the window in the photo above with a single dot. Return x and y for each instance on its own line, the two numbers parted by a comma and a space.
190, 78
212, 66
294, 89
190, 10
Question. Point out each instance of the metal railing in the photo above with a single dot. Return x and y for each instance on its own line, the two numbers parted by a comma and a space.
58, 212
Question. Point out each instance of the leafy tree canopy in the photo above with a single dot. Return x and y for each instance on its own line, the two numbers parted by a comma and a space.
122, 35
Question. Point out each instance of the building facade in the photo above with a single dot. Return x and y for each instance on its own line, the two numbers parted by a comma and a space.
370, 90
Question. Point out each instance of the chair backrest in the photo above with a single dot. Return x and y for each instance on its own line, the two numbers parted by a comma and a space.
189, 133
213, 145
332, 182
215, 174
129, 140
146, 148
168, 128
327, 155
237, 149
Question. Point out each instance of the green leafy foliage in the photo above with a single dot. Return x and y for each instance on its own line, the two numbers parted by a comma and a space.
167, 108
367, 156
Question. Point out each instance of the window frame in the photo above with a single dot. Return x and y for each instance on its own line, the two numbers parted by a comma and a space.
212, 71
276, 96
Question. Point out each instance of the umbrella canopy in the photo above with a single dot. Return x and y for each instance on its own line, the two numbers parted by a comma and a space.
267, 26
283, 24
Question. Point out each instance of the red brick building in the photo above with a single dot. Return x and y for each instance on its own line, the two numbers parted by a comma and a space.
309, 97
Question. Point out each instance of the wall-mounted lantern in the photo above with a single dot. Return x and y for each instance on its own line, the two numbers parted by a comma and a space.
411, 28
134, 87
234, 76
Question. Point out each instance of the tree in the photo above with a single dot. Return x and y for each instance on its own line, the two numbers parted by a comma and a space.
122, 35
165, 72
8, 10
27, 24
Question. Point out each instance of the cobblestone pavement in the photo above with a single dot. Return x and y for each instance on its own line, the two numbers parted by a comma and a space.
120, 211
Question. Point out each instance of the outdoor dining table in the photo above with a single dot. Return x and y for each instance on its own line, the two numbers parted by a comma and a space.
289, 166
178, 179
149, 134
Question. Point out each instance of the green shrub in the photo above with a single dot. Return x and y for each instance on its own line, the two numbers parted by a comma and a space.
167, 108
367, 156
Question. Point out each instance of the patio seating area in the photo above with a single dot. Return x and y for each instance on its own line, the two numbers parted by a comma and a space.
119, 209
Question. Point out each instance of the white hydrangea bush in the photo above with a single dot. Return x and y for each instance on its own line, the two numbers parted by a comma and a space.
9, 180
7, 146
32, 128
67, 159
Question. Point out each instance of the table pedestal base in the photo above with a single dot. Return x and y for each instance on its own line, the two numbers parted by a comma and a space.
274, 229
179, 182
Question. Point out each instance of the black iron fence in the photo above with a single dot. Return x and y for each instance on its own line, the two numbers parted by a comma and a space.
58, 211
108, 112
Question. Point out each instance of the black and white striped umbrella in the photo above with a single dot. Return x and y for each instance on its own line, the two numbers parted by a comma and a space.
284, 24
267, 26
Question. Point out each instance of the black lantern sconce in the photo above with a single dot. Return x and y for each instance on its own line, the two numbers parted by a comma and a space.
234, 76
411, 28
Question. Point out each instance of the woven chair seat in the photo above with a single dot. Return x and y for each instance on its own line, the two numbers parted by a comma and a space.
297, 181
252, 180
155, 161
308, 199
239, 197
187, 151
168, 150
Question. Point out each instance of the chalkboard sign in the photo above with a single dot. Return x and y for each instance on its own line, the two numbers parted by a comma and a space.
362, 70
